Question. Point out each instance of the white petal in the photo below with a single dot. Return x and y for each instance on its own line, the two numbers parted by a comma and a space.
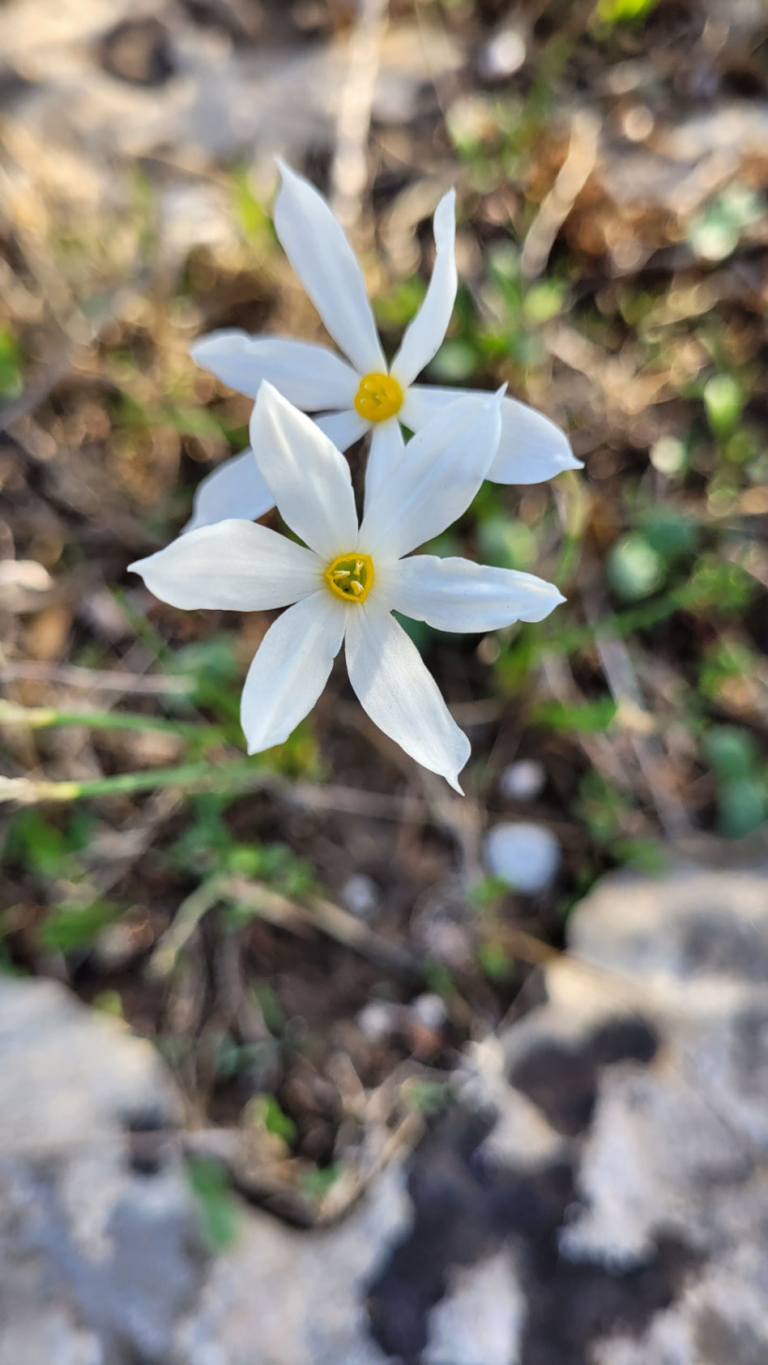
325, 263
309, 477
531, 448
425, 334
344, 428
235, 489
399, 693
455, 594
310, 376
436, 479
387, 447
290, 669
232, 566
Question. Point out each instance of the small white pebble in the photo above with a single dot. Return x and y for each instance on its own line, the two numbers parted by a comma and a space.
429, 1010
360, 895
502, 56
522, 781
378, 1020
524, 856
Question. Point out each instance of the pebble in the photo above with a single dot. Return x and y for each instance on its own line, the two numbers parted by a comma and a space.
360, 895
502, 56
429, 1010
525, 856
378, 1020
522, 781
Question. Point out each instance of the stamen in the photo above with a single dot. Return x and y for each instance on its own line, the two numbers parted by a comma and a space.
350, 576
378, 398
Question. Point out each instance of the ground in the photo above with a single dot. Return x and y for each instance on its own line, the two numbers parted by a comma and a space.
323, 923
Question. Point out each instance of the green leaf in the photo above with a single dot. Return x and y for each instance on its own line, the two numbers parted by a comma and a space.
506, 543
591, 717
742, 807
495, 961
731, 752
543, 302
716, 232
624, 11
723, 404
671, 533
74, 926
267, 1111
454, 362
635, 569
315, 1183
219, 1214
33, 843
11, 379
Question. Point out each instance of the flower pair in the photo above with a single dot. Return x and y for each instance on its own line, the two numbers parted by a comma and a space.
342, 584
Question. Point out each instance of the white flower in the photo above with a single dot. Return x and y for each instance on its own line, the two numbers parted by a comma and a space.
342, 585
367, 394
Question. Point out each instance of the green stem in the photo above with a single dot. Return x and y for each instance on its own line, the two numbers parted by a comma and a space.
202, 776
45, 717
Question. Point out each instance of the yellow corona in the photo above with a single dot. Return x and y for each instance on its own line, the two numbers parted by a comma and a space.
350, 576
378, 398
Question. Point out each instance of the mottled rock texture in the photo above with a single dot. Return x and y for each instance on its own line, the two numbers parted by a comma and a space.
597, 1196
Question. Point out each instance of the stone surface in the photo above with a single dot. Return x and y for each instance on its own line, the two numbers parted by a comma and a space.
100, 1257
98, 1252
598, 1195
525, 856
106, 79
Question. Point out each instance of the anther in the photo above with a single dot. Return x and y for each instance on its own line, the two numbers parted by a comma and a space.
378, 398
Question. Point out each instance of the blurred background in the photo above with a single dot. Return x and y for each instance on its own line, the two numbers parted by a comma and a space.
303, 968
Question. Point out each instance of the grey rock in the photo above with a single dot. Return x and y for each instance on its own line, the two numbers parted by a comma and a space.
522, 781
100, 1259
429, 1010
525, 856
599, 1193
285, 1297
480, 1320
502, 55
181, 89
360, 895
97, 1257
649, 1063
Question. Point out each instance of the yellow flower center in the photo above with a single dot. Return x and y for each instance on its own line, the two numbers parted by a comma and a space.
350, 576
378, 397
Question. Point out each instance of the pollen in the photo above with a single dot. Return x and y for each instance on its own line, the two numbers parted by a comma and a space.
350, 576
378, 398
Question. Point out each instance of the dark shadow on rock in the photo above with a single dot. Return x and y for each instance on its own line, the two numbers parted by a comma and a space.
138, 51
466, 1207
561, 1080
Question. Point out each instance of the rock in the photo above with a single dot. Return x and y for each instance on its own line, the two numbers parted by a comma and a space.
360, 896
601, 1192
502, 55
138, 50
522, 781
598, 1194
191, 92
100, 1258
285, 1297
523, 856
429, 1010
378, 1020
98, 1254
480, 1319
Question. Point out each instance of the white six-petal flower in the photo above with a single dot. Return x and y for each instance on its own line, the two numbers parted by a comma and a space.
366, 394
343, 583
